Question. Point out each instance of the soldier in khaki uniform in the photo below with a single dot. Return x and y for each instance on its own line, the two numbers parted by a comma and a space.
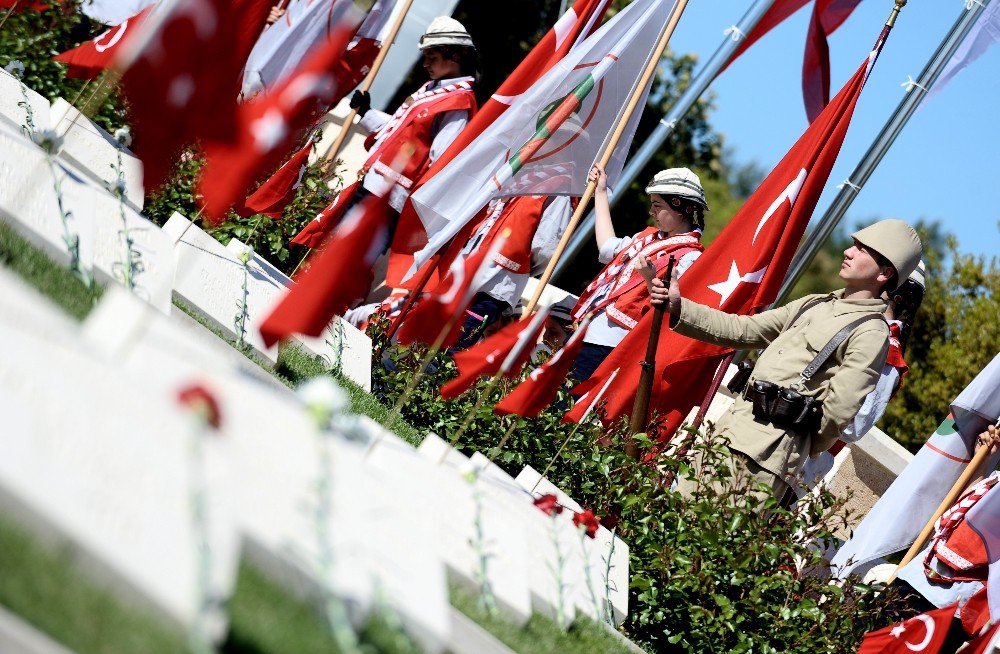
882, 256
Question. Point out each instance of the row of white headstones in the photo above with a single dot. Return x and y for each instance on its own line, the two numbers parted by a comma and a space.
99, 455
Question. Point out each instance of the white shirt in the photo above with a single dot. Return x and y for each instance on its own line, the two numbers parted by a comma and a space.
446, 128
602, 331
508, 286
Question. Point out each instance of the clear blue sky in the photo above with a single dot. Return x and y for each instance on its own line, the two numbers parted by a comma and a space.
944, 165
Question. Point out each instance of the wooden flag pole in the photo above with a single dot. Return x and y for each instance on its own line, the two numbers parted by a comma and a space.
366, 84
616, 136
970, 473
640, 408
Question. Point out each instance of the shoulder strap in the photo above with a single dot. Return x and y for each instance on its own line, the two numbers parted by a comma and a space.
833, 344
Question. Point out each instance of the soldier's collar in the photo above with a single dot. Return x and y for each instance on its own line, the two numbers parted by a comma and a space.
842, 306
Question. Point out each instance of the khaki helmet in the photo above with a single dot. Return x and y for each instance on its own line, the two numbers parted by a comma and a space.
445, 30
680, 182
896, 241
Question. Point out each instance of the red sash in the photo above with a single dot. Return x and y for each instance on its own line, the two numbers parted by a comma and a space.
620, 285
955, 545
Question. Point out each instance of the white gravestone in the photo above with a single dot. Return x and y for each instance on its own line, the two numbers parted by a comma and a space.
606, 549
92, 460
210, 277
12, 113
317, 521
549, 539
453, 497
94, 152
28, 201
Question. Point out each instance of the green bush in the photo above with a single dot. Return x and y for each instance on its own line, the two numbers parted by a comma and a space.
722, 573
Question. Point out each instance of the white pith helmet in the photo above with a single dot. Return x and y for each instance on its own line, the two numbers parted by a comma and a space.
896, 241
680, 182
445, 30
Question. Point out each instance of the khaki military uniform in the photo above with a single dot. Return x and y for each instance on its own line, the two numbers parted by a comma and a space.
842, 383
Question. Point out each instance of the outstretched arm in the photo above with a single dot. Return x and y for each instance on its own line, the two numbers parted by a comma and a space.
603, 229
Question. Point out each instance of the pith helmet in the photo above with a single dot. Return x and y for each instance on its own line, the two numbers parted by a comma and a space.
680, 182
444, 30
896, 241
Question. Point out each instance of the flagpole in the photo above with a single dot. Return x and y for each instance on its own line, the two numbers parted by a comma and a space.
665, 128
616, 136
971, 471
877, 150
640, 407
366, 84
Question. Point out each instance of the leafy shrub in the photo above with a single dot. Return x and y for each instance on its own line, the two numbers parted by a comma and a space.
725, 572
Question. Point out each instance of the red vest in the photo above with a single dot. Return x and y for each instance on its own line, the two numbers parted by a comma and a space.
620, 291
409, 131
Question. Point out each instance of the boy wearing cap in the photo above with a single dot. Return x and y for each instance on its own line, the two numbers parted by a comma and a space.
617, 298
422, 127
769, 443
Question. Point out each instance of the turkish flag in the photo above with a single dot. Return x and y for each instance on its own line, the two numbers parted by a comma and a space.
827, 16
922, 633
88, 60
579, 22
269, 124
538, 391
979, 644
444, 306
273, 196
503, 353
181, 84
741, 272
336, 278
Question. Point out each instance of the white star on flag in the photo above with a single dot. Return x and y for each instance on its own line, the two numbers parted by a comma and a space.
898, 631
725, 288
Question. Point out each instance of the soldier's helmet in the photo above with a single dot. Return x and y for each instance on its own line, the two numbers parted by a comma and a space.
895, 240
445, 30
680, 182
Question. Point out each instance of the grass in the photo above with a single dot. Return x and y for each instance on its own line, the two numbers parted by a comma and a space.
56, 282
42, 585
541, 634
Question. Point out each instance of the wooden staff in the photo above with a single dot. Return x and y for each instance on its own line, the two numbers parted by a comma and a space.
10, 11
970, 473
366, 84
640, 408
616, 136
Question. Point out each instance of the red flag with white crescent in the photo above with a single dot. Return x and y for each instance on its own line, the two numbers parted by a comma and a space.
271, 197
504, 352
89, 59
449, 300
741, 272
269, 124
538, 391
336, 278
923, 633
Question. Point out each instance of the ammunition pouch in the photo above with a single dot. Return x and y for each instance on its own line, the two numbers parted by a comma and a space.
784, 407
738, 383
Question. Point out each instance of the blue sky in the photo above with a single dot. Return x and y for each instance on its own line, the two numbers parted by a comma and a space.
944, 163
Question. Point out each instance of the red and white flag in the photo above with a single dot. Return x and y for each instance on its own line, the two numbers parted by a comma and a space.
896, 519
270, 124
539, 390
827, 16
567, 118
578, 23
89, 59
433, 312
181, 73
336, 278
304, 27
923, 633
740, 273
503, 353
16, 6
271, 197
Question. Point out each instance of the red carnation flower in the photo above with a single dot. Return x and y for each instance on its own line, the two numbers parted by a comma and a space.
548, 504
588, 521
197, 398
